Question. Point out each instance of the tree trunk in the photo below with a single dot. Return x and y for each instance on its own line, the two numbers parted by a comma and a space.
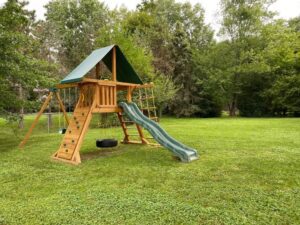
160, 112
232, 108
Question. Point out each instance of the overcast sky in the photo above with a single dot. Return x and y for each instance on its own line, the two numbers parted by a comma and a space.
286, 8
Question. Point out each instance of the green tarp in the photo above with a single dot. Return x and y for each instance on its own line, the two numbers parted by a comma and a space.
125, 72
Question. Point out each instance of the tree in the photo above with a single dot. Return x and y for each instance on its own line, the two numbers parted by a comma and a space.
281, 53
20, 66
159, 24
183, 103
241, 25
295, 23
74, 24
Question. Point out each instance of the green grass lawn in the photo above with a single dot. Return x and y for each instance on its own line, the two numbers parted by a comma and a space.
248, 173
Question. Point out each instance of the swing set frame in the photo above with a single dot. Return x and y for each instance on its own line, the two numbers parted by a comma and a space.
53, 92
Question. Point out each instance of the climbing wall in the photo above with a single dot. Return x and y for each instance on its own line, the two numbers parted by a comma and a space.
78, 125
74, 133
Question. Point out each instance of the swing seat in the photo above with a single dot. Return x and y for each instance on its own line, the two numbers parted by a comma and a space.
106, 143
62, 131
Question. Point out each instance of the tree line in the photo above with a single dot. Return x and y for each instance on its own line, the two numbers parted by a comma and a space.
252, 69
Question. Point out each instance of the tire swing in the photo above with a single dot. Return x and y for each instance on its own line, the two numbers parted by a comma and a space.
105, 142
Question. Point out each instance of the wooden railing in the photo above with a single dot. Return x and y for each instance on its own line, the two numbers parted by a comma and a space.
107, 95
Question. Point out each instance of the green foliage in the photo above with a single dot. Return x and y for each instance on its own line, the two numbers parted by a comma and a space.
295, 23
173, 31
164, 92
74, 26
257, 52
183, 103
274, 59
168, 43
285, 95
20, 66
241, 19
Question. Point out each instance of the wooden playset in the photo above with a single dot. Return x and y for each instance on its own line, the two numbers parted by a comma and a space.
101, 96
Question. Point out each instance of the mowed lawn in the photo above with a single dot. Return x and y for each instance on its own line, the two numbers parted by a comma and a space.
248, 173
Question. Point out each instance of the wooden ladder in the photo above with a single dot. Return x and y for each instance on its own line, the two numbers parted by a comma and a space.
127, 136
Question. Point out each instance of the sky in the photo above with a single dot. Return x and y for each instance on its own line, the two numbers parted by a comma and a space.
286, 8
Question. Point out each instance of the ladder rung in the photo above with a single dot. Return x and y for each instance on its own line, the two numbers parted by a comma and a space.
130, 128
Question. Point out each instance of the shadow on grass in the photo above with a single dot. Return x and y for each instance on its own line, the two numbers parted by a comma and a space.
102, 153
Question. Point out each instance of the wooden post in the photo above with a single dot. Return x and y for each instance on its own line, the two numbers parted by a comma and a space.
122, 122
114, 64
142, 137
36, 120
129, 97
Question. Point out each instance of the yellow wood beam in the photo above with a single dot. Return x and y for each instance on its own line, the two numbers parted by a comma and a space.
107, 110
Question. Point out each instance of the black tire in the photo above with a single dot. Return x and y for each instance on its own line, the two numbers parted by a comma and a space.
106, 143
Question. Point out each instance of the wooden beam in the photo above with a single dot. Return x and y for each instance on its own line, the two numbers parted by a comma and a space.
140, 143
142, 137
107, 109
126, 135
108, 82
114, 65
129, 96
44, 106
62, 107
62, 86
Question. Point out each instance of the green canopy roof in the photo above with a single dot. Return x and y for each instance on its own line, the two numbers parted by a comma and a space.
125, 72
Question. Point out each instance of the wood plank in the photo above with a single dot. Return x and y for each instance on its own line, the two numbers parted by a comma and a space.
142, 137
63, 86
129, 96
107, 110
126, 136
106, 95
102, 95
115, 95
110, 95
